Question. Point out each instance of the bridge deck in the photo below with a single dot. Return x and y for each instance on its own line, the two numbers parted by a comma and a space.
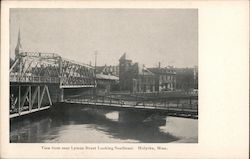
28, 112
191, 111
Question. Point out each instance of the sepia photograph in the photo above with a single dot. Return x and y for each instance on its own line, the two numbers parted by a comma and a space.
103, 75
124, 79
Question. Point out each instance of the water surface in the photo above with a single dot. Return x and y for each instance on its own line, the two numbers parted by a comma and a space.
77, 124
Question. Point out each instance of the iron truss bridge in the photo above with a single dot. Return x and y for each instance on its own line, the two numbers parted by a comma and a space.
37, 80
36, 67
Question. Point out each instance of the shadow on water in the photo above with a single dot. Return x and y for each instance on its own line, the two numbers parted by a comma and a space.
122, 125
29, 129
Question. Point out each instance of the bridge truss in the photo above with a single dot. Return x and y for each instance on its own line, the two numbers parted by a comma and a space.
35, 77
51, 68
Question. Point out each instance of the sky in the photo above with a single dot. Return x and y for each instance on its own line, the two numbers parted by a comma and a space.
148, 36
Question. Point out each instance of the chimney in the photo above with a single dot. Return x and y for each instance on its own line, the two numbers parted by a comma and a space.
159, 64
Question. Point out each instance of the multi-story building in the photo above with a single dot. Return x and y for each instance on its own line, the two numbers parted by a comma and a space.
136, 78
145, 81
106, 83
187, 78
128, 71
195, 77
107, 78
165, 78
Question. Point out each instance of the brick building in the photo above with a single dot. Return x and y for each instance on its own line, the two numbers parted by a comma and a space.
107, 79
128, 71
106, 83
137, 78
165, 78
145, 81
187, 78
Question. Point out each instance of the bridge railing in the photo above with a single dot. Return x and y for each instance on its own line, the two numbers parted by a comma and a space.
33, 79
77, 81
169, 93
164, 93
160, 104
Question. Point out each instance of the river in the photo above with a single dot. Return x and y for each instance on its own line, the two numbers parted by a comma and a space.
78, 124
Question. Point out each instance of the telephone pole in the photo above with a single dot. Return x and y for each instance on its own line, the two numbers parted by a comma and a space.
95, 71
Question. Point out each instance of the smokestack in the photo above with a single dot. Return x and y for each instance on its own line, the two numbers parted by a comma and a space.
159, 64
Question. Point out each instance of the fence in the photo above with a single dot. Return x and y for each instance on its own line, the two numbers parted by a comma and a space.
33, 79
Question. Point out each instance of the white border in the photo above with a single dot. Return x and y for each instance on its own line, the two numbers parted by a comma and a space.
223, 83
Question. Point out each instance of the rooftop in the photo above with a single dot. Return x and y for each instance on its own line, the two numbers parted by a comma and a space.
106, 77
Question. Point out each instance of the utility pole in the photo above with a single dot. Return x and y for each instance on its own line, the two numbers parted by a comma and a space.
143, 80
95, 59
95, 72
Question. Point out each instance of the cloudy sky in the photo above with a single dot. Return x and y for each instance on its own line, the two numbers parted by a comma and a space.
148, 36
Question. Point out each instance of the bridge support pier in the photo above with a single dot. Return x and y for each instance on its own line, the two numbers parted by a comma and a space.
62, 95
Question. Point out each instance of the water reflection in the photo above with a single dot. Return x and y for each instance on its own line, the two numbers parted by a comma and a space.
89, 125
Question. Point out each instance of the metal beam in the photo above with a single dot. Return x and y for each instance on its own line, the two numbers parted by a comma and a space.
15, 63
24, 71
38, 97
24, 97
34, 95
19, 100
41, 99
47, 90
77, 86
30, 99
